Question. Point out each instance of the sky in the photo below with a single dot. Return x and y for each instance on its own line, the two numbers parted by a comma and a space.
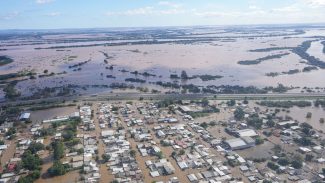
56, 14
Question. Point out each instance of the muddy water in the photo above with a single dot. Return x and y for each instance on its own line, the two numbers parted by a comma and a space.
40, 115
300, 114
215, 58
316, 49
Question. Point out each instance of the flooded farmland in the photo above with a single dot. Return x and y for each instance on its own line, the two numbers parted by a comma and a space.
91, 62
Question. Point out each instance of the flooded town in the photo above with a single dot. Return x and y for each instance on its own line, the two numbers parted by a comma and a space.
168, 91
165, 141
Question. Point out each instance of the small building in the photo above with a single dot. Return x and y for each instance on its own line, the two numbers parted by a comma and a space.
161, 134
185, 109
287, 124
192, 178
107, 133
24, 116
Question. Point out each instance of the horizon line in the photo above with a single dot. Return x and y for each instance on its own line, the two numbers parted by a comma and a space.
166, 26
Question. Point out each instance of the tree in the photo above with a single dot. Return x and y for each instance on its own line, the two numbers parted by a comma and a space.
231, 102
255, 122
184, 75
31, 161
160, 155
133, 153
27, 179
45, 71
304, 141
204, 125
35, 174
182, 152
321, 120
270, 123
106, 157
35, 147
68, 135
259, 141
283, 161
272, 166
309, 114
297, 164
57, 169
239, 114
58, 150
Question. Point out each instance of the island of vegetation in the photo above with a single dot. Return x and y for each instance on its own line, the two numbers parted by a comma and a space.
204, 77
301, 51
4, 60
260, 60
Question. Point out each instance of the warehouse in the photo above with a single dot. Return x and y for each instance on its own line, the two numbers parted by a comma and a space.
240, 143
246, 133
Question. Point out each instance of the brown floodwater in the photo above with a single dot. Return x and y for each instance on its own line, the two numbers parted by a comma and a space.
40, 115
215, 57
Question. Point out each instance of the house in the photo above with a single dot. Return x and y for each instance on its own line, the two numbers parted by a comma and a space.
3, 147
304, 150
192, 178
107, 133
182, 165
161, 134
287, 124
24, 116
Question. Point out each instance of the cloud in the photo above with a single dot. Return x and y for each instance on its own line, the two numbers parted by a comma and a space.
43, 1
138, 11
315, 3
287, 9
53, 14
170, 4
149, 10
253, 7
229, 14
9, 16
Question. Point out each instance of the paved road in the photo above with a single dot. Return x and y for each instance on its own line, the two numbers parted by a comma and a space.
136, 96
